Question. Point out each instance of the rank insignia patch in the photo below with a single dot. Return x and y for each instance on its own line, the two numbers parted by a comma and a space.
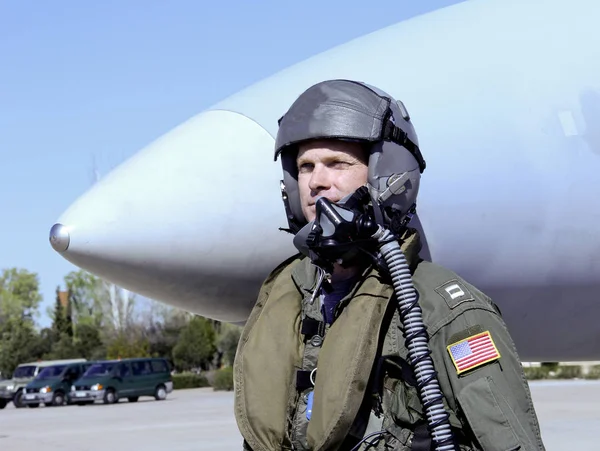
473, 351
454, 293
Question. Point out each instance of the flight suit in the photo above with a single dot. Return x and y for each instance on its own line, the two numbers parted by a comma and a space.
303, 384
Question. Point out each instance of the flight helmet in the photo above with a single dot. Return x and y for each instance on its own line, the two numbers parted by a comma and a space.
354, 111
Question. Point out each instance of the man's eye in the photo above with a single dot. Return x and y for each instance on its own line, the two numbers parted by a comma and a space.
305, 167
340, 164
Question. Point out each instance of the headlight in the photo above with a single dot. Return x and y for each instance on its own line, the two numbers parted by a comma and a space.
97, 387
10, 387
46, 389
72, 388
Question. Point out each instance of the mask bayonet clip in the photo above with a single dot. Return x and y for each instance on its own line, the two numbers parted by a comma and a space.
317, 286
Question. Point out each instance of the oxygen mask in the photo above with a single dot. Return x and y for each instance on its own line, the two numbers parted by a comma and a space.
340, 231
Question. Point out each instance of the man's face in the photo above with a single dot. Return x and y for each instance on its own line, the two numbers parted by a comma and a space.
329, 168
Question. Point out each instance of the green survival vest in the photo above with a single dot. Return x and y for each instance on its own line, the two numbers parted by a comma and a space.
358, 364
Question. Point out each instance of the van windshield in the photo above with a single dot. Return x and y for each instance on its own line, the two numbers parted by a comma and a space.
51, 372
24, 371
100, 369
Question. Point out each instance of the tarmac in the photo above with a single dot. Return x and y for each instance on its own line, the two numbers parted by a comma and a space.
201, 419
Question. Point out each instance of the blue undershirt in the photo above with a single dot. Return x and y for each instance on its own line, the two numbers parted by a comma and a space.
330, 300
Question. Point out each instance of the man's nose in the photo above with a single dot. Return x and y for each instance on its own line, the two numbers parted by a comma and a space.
320, 179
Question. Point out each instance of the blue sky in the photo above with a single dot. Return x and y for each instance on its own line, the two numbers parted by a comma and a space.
84, 85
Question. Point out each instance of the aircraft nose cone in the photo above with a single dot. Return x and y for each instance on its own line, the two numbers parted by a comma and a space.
183, 221
59, 237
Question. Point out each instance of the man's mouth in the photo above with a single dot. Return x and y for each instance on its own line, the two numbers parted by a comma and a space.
330, 200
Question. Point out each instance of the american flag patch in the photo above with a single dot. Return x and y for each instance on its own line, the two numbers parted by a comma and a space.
473, 351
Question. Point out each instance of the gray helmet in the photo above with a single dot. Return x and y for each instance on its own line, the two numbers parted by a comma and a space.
354, 111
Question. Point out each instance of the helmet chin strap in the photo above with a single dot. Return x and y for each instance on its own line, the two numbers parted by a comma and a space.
377, 212
294, 226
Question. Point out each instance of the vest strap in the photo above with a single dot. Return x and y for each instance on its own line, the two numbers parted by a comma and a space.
303, 380
421, 440
312, 327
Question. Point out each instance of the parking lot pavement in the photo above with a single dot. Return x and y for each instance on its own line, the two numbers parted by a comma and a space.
201, 419
187, 420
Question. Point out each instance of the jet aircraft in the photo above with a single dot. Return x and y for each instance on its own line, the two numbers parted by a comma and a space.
504, 95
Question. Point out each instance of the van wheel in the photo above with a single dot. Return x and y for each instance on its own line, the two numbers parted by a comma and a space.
161, 393
3, 403
18, 399
110, 397
133, 398
58, 399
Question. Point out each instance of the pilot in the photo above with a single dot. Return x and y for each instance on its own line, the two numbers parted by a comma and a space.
357, 342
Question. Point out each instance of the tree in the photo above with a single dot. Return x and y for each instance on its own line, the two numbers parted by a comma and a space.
88, 343
62, 344
163, 332
19, 303
17, 342
88, 295
102, 303
195, 346
63, 348
68, 323
43, 343
227, 342
123, 347
58, 316
19, 294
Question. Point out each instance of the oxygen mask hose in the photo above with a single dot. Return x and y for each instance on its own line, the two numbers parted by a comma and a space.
417, 340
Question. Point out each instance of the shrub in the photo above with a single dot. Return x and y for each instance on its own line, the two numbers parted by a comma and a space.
560, 372
594, 372
568, 372
552, 366
536, 372
189, 380
223, 379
